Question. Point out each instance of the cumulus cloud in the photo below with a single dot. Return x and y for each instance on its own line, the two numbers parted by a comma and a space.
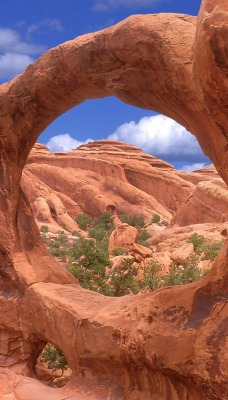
105, 5
192, 167
15, 53
13, 64
162, 137
11, 42
64, 142
157, 135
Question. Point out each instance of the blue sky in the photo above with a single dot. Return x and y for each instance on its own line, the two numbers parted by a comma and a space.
28, 28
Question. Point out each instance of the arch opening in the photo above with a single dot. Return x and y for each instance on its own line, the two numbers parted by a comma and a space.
52, 367
133, 61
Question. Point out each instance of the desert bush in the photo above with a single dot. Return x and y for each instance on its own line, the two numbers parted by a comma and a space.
88, 263
123, 281
62, 238
106, 220
180, 275
211, 250
155, 219
76, 233
118, 251
44, 228
164, 222
82, 220
54, 358
133, 220
143, 236
197, 241
150, 279
98, 233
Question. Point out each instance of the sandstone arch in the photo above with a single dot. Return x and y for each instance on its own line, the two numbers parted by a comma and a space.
169, 344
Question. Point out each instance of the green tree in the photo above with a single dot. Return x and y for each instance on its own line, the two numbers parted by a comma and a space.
83, 221
106, 220
180, 275
97, 232
62, 238
123, 281
54, 358
133, 220
88, 264
150, 279
197, 241
143, 236
211, 250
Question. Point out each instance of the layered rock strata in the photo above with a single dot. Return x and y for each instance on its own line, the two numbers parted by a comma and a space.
112, 176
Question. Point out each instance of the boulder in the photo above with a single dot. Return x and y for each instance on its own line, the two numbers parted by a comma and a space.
124, 236
180, 255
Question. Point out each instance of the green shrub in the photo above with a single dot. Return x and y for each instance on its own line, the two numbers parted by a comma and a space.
123, 281
211, 250
44, 228
54, 358
88, 263
164, 222
106, 220
155, 219
118, 251
180, 275
62, 239
143, 236
76, 233
58, 252
197, 241
98, 233
133, 220
82, 221
150, 279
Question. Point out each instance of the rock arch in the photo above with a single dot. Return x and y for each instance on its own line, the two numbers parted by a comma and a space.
169, 344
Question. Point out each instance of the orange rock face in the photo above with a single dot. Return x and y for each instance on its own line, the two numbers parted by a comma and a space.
170, 344
124, 236
112, 176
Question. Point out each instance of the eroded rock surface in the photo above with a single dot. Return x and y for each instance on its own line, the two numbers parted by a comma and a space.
112, 176
170, 344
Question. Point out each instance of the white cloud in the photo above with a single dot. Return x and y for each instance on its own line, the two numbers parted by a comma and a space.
51, 23
192, 167
15, 53
162, 137
64, 142
13, 64
157, 135
105, 5
11, 42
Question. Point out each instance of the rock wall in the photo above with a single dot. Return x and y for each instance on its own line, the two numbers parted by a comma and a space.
168, 344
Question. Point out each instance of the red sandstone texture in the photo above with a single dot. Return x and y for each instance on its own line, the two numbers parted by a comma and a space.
112, 176
170, 344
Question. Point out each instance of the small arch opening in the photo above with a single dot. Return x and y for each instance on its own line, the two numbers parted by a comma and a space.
52, 367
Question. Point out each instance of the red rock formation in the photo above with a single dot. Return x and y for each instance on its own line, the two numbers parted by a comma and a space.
112, 176
169, 344
93, 178
124, 236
